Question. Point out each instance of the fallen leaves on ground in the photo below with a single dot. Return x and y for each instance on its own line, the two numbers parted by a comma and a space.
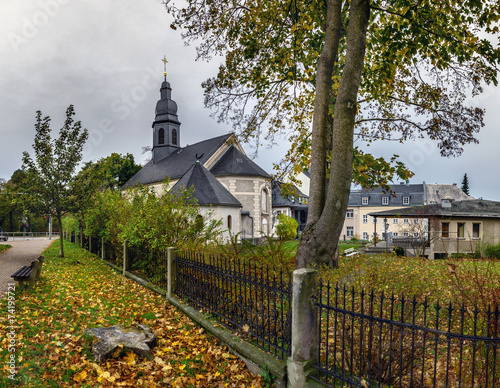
78, 292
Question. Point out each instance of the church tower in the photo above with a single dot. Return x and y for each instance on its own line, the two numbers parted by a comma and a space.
166, 127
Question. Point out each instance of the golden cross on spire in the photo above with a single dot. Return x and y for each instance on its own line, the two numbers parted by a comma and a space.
164, 60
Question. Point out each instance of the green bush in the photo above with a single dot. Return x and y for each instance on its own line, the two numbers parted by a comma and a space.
492, 251
462, 255
287, 227
398, 251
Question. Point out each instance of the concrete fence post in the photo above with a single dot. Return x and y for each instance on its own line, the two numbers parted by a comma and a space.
171, 271
304, 328
125, 257
102, 248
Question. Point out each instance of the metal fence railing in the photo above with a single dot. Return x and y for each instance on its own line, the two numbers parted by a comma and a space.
112, 253
365, 340
369, 340
148, 266
14, 236
246, 298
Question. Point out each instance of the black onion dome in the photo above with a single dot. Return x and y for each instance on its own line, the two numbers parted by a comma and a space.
166, 108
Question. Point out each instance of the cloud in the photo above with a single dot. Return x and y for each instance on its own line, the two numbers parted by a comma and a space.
104, 57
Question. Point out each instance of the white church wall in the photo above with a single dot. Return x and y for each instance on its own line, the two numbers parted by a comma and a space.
230, 217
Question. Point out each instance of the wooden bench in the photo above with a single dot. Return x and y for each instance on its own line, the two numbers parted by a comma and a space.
27, 275
350, 252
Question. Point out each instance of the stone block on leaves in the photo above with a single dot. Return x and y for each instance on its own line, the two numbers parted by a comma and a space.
138, 338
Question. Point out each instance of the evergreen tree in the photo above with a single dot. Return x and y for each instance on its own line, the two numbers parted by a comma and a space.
465, 184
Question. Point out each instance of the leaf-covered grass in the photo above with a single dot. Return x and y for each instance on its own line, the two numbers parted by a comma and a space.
4, 247
78, 292
456, 280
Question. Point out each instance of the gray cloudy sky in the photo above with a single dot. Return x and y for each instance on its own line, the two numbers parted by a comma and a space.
103, 56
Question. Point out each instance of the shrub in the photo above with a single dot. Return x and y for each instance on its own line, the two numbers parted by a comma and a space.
398, 251
287, 227
492, 251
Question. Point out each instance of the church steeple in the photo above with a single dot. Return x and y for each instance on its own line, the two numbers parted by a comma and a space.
166, 127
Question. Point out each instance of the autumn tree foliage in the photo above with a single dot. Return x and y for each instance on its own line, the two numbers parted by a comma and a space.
48, 176
327, 73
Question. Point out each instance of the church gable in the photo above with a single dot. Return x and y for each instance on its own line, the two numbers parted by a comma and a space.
207, 190
234, 162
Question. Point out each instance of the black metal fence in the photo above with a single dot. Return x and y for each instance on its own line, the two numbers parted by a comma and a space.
365, 340
113, 253
148, 266
369, 340
95, 245
253, 300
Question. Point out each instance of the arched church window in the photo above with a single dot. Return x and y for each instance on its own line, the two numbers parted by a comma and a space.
161, 136
174, 136
265, 231
229, 222
264, 201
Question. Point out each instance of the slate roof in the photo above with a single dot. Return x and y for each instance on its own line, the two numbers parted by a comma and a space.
178, 163
234, 162
279, 200
435, 193
208, 191
477, 208
414, 191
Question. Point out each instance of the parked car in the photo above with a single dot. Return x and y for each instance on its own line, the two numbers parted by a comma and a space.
3, 236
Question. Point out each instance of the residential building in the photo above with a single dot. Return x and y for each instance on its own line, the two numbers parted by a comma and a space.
453, 226
360, 224
294, 206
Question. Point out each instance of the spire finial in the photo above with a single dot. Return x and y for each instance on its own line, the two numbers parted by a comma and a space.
164, 60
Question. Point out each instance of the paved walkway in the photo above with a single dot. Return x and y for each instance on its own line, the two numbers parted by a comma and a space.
22, 253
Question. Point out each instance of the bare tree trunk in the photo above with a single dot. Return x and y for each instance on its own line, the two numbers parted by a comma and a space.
320, 239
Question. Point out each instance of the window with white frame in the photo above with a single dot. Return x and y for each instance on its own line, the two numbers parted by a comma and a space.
385, 200
415, 221
406, 234
350, 231
364, 201
395, 220
476, 230
406, 200
365, 235
406, 221
350, 213
445, 230
374, 220
365, 218
395, 234
416, 234
264, 201
461, 229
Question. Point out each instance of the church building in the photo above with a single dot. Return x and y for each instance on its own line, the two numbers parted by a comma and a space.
227, 184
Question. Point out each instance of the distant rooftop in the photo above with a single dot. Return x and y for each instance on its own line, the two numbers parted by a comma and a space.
477, 208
